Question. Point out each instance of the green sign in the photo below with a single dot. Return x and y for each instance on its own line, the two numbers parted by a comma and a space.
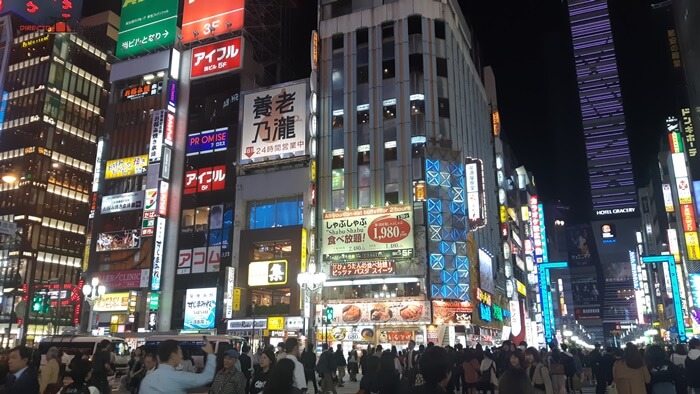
153, 301
146, 26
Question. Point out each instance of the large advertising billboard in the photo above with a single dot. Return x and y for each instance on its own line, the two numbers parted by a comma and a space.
207, 142
128, 166
274, 123
207, 18
367, 230
118, 240
200, 309
146, 26
205, 180
388, 312
218, 57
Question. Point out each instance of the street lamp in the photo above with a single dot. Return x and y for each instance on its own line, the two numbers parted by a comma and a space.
92, 293
310, 282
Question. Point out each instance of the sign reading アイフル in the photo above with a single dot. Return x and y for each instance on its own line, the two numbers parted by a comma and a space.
207, 18
274, 123
219, 57
146, 25
367, 230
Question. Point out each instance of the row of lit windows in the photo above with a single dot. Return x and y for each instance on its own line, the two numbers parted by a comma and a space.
65, 192
58, 259
62, 225
27, 63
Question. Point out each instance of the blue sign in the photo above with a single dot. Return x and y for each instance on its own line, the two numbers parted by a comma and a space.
172, 95
546, 297
696, 188
543, 233
207, 142
675, 291
695, 287
200, 309
485, 312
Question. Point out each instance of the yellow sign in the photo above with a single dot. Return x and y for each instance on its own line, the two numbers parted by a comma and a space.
522, 289
275, 323
525, 212
314, 50
237, 299
312, 170
129, 166
693, 245
496, 120
304, 235
504, 214
114, 302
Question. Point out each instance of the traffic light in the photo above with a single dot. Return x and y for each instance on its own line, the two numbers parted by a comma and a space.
45, 303
329, 315
37, 301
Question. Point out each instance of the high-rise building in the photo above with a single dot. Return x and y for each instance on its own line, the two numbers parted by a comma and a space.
602, 253
406, 175
54, 92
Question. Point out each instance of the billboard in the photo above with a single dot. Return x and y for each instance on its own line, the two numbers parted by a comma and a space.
693, 245
389, 312
122, 202
128, 166
209, 18
367, 230
149, 213
580, 242
586, 298
118, 240
200, 309
274, 123
199, 260
158, 254
146, 26
683, 187
205, 179
363, 268
155, 150
216, 58
486, 272
267, 273
475, 192
688, 217
452, 312
113, 302
668, 197
207, 142
129, 279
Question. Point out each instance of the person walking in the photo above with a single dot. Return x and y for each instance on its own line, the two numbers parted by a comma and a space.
340, 364
664, 374
369, 373
410, 362
435, 367
629, 373
102, 366
262, 374
291, 347
167, 380
327, 369
353, 362
246, 364
387, 379
80, 374
514, 381
471, 372
692, 365
230, 380
488, 366
557, 369
538, 372
281, 379
49, 377
308, 359
22, 376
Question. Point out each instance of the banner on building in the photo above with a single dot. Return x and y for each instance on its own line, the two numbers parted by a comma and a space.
202, 19
118, 240
146, 26
122, 202
128, 279
199, 260
205, 180
274, 123
390, 312
200, 309
368, 230
207, 142
452, 312
216, 58
128, 166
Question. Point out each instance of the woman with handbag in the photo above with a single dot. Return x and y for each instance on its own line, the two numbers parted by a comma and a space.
630, 375
537, 372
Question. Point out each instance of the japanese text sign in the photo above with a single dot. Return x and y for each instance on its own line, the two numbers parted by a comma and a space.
363, 268
207, 142
387, 312
200, 308
205, 180
452, 312
114, 302
129, 166
274, 123
483, 297
221, 56
199, 260
122, 202
368, 230
210, 17
267, 273
146, 25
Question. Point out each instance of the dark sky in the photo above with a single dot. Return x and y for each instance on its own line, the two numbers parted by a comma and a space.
529, 46
528, 43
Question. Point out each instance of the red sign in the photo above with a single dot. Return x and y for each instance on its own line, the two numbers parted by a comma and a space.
452, 312
116, 280
397, 336
216, 58
483, 297
169, 135
205, 179
163, 198
210, 17
364, 268
688, 214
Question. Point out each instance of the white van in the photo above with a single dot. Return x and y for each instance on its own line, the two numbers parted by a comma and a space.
192, 345
71, 345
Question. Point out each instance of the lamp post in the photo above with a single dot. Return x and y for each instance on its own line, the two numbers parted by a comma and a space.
310, 282
92, 293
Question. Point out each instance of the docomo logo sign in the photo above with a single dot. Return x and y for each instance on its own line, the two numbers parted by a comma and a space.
215, 58
205, 179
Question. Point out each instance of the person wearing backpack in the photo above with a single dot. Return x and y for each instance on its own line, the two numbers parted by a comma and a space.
471, 372
569, 367
663, 372
557, 369
537, 372
327, 369
489, 373
692, 365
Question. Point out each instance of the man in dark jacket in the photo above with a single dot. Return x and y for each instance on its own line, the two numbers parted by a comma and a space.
605, 377
692, 364
308, 358
340, 364
326, 368
246, 365
22, 377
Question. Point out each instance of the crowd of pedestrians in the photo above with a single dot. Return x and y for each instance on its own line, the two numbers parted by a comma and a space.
506, 369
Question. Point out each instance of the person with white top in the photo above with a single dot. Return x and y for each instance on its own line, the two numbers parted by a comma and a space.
291, 348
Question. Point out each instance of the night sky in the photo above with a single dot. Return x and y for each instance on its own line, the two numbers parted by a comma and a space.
529, 46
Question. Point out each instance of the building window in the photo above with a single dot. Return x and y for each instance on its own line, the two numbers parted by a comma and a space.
441, 67
271, 300
362, 74
387, 30
391, 176
440, 29
415, 24
337, 129
444, 107
338, 183
364, 179
388, 69
279, 212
